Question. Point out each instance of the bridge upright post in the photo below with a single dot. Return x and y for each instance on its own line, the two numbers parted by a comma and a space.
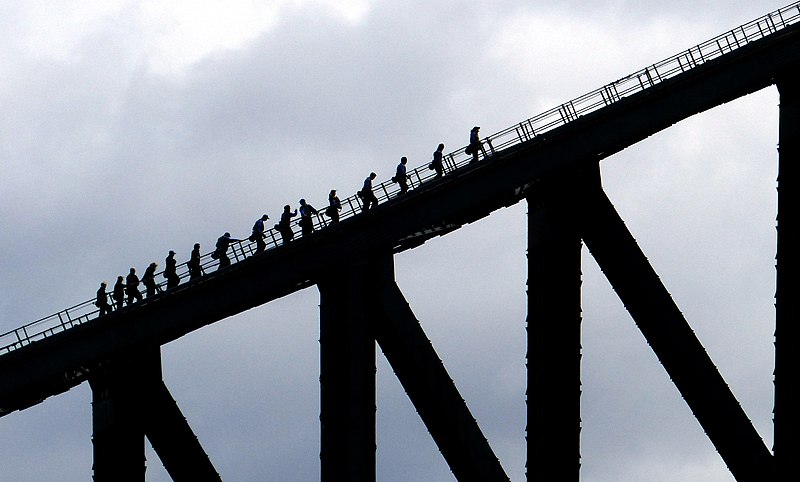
554, 334
131, 402
117, 419
787, 302
347, 377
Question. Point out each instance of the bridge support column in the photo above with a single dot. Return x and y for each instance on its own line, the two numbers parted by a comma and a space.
428, 385
130, 401
347, 377
118, 420
787, 295
672, 339
554, 335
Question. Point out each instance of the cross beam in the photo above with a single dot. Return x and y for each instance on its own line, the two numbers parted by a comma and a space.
363, 304
671, 338
130, 401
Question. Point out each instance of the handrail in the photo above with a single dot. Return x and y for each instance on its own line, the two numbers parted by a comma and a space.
524, 131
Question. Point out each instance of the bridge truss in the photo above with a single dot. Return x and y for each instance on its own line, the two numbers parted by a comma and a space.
552, 162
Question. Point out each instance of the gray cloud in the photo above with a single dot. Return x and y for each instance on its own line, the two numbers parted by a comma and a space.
107, 164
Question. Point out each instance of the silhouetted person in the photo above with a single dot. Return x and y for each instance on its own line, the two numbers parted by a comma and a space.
284, 226
132, 287
437, 163
306, 221
400, 176
149, 280
119, 292
335, 205
195, 270
171, 270
221, 251
102, 300
258, 234
474, 143
366, 193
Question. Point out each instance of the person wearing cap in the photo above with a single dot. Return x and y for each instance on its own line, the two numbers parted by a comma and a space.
474, 143
258, 233
171, 271
149, 279
306, 222
221, 251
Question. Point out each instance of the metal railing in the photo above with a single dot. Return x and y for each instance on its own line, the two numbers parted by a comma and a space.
524, 131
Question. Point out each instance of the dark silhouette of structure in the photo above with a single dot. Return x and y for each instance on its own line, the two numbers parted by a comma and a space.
552, 162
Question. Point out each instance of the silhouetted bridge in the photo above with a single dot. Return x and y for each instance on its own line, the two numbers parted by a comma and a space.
552, 161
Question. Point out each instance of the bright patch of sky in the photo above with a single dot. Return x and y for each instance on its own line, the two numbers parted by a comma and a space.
174, 34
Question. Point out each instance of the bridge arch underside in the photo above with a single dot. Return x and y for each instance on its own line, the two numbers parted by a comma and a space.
559, 177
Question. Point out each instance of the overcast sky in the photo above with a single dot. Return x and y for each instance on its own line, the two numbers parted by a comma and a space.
130, 128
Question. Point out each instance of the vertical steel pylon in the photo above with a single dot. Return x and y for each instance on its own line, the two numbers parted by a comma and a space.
787, 301
554, 333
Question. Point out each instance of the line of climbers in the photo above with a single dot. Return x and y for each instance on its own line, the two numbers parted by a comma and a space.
129, 286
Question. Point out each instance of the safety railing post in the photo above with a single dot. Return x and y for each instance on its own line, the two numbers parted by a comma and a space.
419, 179
352, 208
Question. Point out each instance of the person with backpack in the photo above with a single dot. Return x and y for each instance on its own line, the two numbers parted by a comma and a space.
119, 292
221, 250
258, 234
102, 300
306, 221
195, 269
437, 162
474, 146
149, 280
132, 287
335, 205
285, 225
